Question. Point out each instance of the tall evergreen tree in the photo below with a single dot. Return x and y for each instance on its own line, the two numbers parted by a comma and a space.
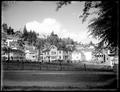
25, 33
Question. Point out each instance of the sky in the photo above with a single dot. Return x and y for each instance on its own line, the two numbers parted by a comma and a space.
42, 17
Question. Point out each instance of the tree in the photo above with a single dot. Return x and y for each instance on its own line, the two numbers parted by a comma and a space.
25, 34
4, 32
30, 37
7, 29
10, 31
53, 39
34, 37
4, 27
39, 44
69, 44
61, 45
105, 26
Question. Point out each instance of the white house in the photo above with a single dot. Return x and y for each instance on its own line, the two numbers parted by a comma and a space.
52, 53
49, 54
17, 55
102, 57
76, 56
82, 53
31, 53
13, 50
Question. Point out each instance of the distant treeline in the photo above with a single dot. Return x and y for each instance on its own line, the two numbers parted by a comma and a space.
32, 38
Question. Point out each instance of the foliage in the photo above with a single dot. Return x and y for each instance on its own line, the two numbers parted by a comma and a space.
66, 44
21, 44
5, 27
31, 36
25, 34
53, 39
105, 26
61, 3
8, 30
40, 43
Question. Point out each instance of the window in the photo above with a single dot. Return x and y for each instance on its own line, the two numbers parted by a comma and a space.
59, 57
53, 52
53, 47
53, 57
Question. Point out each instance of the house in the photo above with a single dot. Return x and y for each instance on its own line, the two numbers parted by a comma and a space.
17, 55
98, 57
101, 56
76, 56
52, 53
31, 53
63, 55
12, 49
12, 41
82, 53
114, 58
13, 54
49, 54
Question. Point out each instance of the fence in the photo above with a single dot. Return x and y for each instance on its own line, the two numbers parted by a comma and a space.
15, 65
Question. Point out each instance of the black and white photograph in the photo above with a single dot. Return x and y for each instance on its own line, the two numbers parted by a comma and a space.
60, 45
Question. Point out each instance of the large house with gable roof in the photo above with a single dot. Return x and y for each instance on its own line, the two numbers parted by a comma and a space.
52, 53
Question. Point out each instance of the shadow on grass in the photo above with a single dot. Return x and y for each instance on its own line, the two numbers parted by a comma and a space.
110, 85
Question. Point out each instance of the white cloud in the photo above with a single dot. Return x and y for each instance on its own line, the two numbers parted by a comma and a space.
49, 24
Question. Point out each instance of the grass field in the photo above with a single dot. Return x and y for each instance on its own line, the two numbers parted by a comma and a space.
25, 76
57, 80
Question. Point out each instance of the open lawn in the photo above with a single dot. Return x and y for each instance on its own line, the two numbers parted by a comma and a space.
56, 76
54, 80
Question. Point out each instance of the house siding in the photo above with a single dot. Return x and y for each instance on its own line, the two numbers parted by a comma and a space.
53, 54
